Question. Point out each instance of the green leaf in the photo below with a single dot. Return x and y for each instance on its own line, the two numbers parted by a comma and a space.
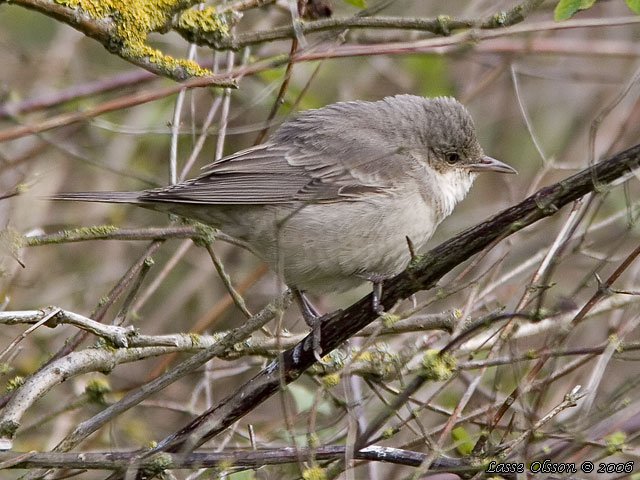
633, 5
464, 443
357, 3
565, 9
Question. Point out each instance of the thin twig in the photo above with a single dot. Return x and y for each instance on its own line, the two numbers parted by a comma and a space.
226, 280
46, 316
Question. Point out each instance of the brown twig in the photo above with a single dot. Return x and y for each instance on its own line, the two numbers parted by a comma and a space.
113, 104
126, 79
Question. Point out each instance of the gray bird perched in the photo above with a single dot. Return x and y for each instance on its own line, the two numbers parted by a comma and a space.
331, 199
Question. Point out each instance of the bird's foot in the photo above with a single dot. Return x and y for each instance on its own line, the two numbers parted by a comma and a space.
316, 331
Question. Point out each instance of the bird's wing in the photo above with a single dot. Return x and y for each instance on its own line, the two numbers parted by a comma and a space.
268, 174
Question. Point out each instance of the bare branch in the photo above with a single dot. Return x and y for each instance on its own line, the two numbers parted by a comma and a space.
238, 459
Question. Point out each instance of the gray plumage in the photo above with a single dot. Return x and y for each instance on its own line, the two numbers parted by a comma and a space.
330, 199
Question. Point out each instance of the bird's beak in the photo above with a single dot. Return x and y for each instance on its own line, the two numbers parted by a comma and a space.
488, 164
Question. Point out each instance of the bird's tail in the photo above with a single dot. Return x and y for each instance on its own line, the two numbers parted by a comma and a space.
103, 197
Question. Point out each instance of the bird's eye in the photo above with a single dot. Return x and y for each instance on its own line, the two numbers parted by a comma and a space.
452, 158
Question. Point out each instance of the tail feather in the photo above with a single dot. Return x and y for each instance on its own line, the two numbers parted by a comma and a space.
104, 197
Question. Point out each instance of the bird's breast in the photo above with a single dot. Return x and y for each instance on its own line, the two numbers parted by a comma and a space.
443, 190
324, 247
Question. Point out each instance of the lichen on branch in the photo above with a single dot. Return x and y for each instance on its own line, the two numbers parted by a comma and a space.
129, 24
206, 23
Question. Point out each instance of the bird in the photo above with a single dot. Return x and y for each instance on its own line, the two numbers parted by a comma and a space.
332, 198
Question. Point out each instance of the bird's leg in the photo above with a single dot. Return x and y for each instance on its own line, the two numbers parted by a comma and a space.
311, 318
376, 297
376, 279
412, 248
309, 312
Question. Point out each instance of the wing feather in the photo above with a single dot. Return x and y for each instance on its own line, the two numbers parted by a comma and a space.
266, 174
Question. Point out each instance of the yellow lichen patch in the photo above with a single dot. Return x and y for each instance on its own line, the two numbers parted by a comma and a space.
133, 21
330, 380
159, 463
615, 441
96, 389
15, 382
165, 62
94, 230
387, 433
205, 20
436, 366
378, 361
389, 319
314, 473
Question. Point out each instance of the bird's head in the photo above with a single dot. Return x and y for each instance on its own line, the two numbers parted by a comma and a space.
448, 139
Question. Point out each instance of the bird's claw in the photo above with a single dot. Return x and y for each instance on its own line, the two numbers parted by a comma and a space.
316, 331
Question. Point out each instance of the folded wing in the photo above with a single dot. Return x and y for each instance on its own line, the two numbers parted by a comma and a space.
267, 174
